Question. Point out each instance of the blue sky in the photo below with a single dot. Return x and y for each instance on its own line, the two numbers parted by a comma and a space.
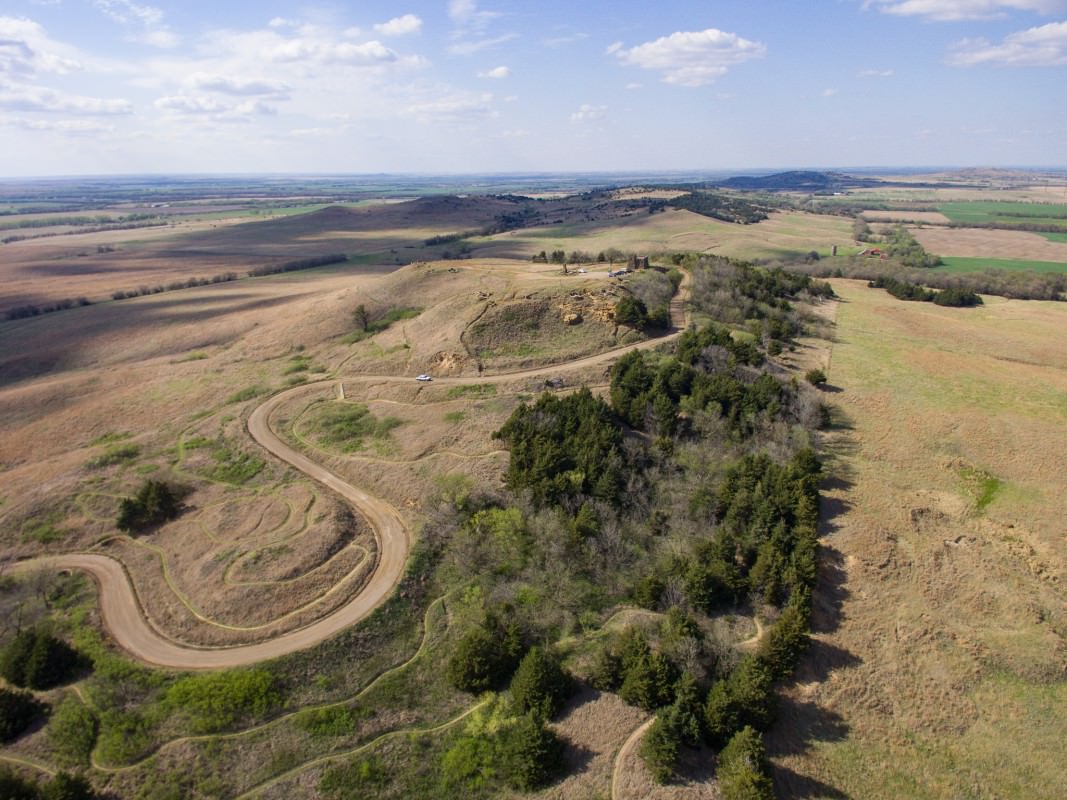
122, 86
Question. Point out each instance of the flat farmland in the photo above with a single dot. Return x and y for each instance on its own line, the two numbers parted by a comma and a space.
996, 244
94, 265
937, 668
981, 212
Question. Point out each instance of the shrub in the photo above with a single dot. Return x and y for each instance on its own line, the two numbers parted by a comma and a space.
65, 786
816, 377
217, 701
631, 311
72, 731
17, 711
540, 686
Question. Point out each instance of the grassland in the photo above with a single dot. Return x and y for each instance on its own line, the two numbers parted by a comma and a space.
784, 235
937, 669
938, 672
958, 264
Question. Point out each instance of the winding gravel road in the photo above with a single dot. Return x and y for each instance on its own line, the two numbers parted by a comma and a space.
125, 619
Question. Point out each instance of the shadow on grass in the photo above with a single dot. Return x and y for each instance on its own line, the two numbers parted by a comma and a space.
789, 784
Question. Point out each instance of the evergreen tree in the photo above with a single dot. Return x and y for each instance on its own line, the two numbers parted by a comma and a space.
742, 770
540, 686
17, 711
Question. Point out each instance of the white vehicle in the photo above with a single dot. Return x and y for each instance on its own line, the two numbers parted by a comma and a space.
582, 271
423, 377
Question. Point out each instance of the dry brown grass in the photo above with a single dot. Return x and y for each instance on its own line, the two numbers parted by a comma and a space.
981, 243
938, 666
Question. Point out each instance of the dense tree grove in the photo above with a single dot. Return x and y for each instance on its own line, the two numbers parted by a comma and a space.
902, 290
721, 206
690, 489
36, 659
565, 448
901, 246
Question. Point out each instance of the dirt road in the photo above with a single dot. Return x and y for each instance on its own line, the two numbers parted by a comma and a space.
122, 613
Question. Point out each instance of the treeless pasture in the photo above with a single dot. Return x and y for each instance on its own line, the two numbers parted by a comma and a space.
981, 243
937, 667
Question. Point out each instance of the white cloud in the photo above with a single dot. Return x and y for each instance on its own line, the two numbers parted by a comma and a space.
148, 18
70, 127
955, 10
691, 58
315, 49
560, 41
496, 73
217, 110
633, 87
589, 113
455, 107
829, 92
25, 49
465, 14
39, 98
876, 73
1044, 46
477, 45
399, 26
236, 86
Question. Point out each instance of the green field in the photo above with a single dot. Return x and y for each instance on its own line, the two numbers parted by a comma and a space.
1056, 237
960, 264
1006, 213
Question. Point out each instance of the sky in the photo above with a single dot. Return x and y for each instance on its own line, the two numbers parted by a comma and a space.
462, 86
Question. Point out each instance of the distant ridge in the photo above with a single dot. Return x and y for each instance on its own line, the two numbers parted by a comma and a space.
796, 181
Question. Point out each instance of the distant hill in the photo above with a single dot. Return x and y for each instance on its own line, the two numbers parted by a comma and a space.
795, 181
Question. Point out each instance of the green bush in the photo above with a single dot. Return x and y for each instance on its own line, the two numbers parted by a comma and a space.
217, 701
114, 454
17, 711
816, 377
72, 731
65, 786
540, 686
631, 311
